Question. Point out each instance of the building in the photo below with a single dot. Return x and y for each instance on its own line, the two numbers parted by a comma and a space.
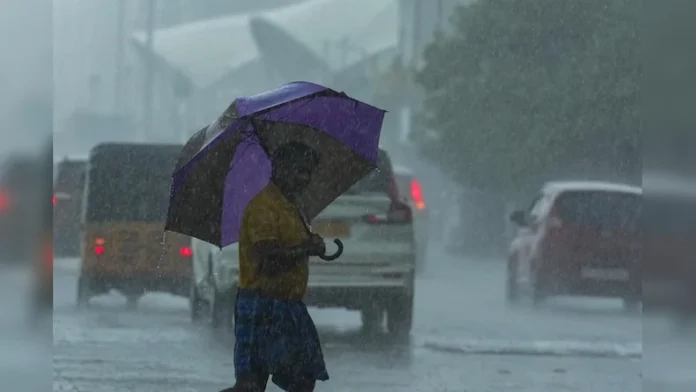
208, 51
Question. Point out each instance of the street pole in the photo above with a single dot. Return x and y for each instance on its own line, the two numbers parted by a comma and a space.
148, 93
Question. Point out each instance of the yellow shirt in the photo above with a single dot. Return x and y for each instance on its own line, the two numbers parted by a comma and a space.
270, 216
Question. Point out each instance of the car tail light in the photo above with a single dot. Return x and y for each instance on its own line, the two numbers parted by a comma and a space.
417, 194
54, 200
186, 251
99, 246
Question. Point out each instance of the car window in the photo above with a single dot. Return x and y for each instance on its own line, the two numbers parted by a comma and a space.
608, 210
536, 209
378, 180
130, 184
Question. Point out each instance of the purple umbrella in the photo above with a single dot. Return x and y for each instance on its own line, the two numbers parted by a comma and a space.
225, 165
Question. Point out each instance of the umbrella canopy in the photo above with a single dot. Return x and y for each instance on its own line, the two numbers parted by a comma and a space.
211, 188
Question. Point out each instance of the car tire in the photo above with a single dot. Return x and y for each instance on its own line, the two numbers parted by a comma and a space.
197, 305
222, 309
84, 292
400, 316
512, 289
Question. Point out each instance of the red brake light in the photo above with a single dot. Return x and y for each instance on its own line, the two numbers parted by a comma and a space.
99, 246
186, 252
55, 200
417, 194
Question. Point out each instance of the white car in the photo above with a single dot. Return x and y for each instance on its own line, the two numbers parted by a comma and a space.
375, 274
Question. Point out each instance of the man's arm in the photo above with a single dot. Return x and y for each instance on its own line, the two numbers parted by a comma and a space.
272, 256
275, 258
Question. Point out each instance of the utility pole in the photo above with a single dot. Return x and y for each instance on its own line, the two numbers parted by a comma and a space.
149, 85
120, 36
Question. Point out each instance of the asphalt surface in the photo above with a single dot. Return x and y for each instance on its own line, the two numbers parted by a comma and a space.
465, 339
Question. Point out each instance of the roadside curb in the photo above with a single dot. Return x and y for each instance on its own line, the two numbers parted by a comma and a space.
536, 348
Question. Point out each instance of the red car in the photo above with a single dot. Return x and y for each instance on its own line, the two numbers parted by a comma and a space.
578, 238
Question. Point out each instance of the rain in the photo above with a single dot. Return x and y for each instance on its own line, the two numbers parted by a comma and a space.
495, 239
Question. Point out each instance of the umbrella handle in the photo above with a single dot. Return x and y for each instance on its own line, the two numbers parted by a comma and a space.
336, 255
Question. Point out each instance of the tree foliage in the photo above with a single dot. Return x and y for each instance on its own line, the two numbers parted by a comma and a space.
521, 90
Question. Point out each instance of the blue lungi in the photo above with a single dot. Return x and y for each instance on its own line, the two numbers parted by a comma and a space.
276, 337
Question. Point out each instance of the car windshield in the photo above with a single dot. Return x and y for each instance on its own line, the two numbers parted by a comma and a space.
130, 185
378, 180
604, 209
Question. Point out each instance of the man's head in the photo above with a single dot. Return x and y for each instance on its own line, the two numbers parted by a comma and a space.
292, 166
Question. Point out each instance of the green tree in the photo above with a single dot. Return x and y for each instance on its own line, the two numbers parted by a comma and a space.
523, 90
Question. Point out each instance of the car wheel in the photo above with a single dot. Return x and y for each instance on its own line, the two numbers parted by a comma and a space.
400, 316
84, 292
197, 305
372, 317
222, 309
512, 290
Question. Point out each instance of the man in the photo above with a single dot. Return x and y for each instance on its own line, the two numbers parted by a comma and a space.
274, 333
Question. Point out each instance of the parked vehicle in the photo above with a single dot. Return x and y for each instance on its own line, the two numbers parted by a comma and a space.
20, 179
68, 190
578, 238
124, 246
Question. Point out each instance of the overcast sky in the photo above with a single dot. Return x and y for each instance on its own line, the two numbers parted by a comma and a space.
25, 69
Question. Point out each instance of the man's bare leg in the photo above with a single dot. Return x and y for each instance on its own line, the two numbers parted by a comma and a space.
251, 383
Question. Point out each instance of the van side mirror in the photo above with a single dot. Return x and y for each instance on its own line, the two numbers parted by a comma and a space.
519, 218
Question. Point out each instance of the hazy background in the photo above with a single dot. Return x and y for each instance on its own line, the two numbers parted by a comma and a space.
76, 68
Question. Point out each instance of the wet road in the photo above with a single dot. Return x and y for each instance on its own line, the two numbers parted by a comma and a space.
465, 339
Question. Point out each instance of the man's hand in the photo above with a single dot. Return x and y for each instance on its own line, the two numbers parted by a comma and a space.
315, 245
